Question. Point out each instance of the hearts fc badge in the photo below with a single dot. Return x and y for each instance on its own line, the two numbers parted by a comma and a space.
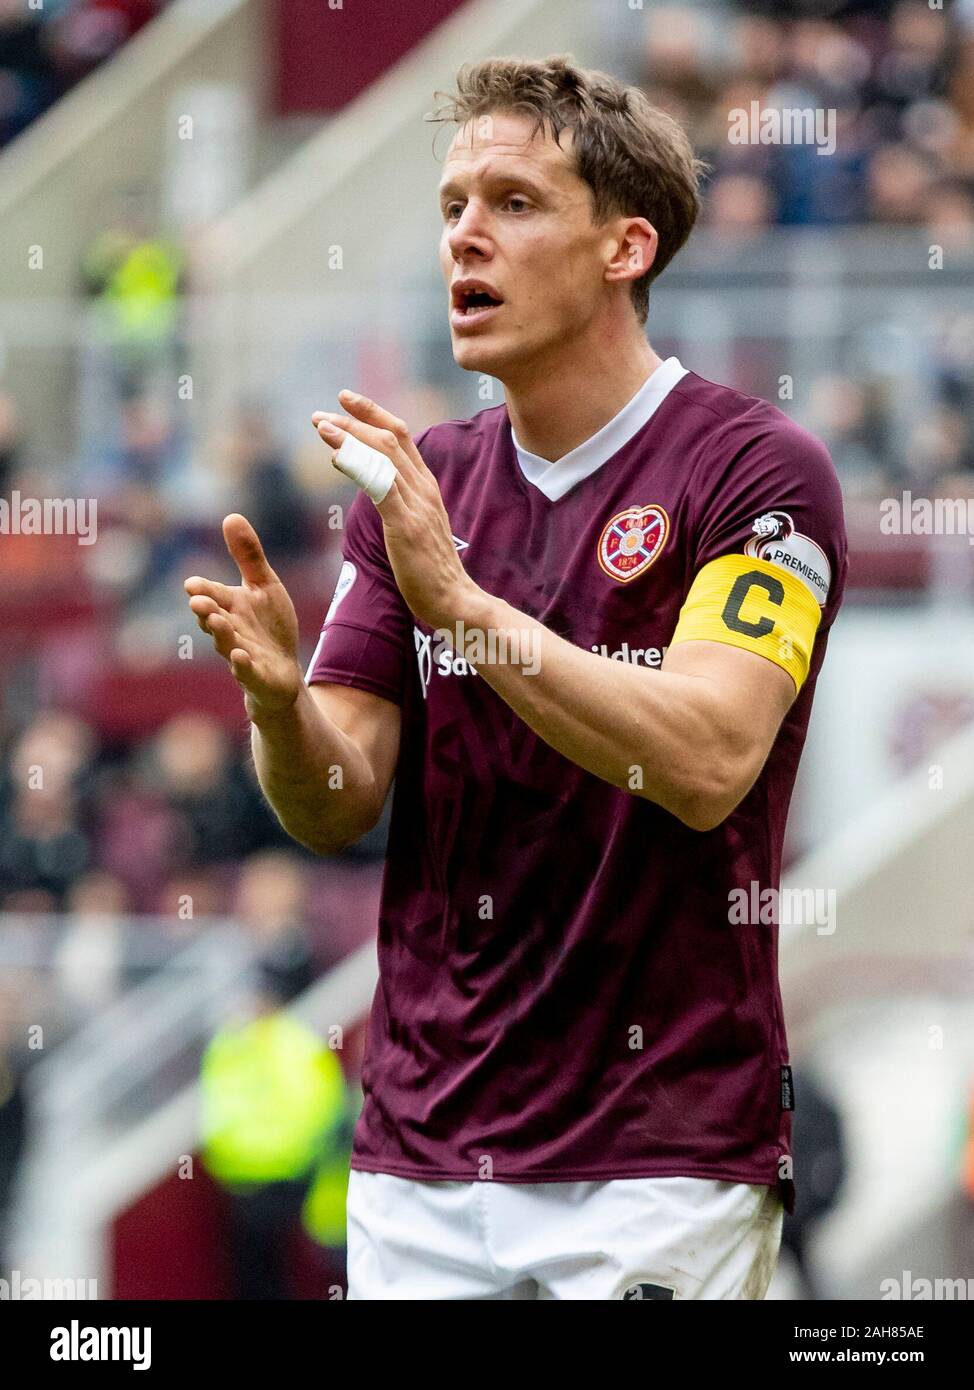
631, 542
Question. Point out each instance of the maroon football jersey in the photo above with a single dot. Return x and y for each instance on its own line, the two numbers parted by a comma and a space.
562, 995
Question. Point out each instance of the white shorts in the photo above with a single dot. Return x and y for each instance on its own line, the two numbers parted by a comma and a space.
627, 1238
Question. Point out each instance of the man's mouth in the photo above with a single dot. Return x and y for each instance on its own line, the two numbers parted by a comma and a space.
473, 302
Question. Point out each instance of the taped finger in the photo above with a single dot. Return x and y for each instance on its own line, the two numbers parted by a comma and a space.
373, 472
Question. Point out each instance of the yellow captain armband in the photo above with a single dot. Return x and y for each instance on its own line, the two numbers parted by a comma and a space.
752, 604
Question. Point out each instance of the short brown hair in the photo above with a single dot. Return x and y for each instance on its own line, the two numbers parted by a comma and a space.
635, 158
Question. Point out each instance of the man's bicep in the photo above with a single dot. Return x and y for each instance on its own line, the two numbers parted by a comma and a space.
751, 693
371, 722
734, 702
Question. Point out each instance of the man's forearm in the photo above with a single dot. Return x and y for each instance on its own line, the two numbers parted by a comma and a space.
314, 776
660, 735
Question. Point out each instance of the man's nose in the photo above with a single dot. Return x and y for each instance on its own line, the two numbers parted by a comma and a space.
468, 236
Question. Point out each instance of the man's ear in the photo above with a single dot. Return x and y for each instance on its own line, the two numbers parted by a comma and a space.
635, 242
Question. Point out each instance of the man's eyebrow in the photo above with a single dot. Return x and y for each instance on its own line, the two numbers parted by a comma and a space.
492, 174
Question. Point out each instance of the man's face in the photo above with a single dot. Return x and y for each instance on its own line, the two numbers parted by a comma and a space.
520, 254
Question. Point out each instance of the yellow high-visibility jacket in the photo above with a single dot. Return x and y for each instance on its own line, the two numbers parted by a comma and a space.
272, 1093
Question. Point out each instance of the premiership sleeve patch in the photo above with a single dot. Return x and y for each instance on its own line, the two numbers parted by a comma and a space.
755, 604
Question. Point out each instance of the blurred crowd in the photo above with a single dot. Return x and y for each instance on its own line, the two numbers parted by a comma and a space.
897, 80
45, 49
898, 76
94, 830
147, 792
169, 830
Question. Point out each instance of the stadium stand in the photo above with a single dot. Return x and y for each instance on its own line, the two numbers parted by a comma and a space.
128, 878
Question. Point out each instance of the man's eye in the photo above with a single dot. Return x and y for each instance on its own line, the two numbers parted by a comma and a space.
452, 211
517, 204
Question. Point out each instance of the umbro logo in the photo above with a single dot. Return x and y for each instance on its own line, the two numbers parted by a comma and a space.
460, 545
648, 1291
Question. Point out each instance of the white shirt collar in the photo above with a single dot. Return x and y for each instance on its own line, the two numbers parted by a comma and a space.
556, 478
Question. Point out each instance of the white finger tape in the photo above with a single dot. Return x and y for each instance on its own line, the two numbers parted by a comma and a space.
372, 471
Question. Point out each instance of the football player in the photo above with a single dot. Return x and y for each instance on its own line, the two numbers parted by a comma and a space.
582, 632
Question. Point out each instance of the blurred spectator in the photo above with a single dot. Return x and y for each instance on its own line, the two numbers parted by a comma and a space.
964, 1235
760, 48
188, 897
88, 961
949, 215
87, 33
29, 80
843, 414
172, 824
145, 443
898, 182
10, 442
136, 835
45, 49
273, 1097
263, 479
272, 905
323, 1215
679, 68
27, 901
13, 1117
54, 752
914, 60
819, 1151
43, 842
939, 445
192, 766
740, 204
134, 279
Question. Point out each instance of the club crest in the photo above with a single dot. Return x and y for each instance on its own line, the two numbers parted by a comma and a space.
631, 541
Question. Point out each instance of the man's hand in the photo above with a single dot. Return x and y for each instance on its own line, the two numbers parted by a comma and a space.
253, 624
419, 541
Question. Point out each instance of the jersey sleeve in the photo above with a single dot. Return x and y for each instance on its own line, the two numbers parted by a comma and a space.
365, 638
768, 552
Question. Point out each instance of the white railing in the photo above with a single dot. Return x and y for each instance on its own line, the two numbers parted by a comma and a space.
125, 1062
879, 1000
83, 1170
118, 1057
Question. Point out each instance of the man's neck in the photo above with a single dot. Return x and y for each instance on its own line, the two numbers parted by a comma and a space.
556, 407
